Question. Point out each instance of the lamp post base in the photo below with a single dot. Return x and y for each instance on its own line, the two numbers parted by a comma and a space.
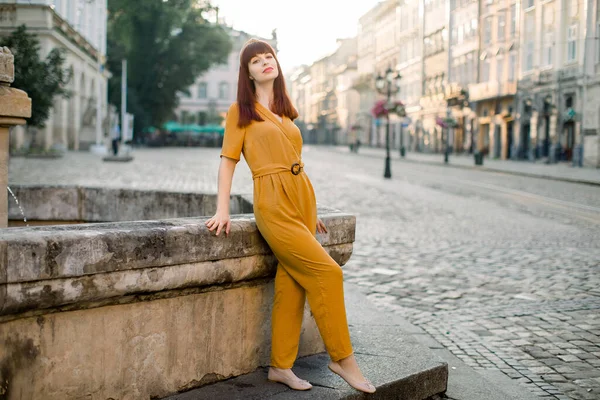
388, 170
402, 151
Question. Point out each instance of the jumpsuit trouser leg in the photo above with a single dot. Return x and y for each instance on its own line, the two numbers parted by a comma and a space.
312, 268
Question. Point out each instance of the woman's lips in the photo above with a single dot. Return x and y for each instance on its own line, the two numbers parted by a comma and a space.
268, 69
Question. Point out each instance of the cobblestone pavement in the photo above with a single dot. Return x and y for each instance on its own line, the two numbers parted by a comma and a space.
504, 271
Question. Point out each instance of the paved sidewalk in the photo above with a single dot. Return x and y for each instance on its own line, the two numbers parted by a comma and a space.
560, 171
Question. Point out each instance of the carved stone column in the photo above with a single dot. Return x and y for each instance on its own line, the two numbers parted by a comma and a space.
15, 106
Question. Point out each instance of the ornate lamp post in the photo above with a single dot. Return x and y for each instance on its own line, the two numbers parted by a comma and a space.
388, 85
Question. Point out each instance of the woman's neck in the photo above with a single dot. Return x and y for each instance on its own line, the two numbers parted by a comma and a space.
264, 93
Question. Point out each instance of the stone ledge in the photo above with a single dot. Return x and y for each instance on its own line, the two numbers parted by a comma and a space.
46, 267
56, 252
90, 291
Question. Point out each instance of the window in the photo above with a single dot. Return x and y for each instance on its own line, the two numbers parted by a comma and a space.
548, 47
501, 25
202, 90
529, 3
514, 13
500, 69
529, 56
485, 70
223, 90
572, 44
512, 66
487, 30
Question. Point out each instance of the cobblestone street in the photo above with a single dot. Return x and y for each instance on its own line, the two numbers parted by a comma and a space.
502, 270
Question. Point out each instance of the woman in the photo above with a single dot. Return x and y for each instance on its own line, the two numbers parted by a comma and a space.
260, 126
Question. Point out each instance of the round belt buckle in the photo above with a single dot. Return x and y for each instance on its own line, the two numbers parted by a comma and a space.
296, 168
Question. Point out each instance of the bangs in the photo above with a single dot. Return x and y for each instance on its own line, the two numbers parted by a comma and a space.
254, 47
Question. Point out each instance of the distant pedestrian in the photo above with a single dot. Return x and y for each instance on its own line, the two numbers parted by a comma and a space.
260, 126
115, 136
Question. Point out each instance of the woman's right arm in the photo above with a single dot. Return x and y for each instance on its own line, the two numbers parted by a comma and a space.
221, 218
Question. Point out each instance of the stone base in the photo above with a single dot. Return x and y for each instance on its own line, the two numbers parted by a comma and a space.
117, 158
142, 350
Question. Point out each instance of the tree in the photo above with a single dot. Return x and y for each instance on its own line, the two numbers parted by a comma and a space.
42, 80
168, 44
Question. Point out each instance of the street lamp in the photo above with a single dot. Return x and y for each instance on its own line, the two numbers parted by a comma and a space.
388, 84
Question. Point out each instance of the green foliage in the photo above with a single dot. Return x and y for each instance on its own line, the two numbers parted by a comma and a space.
41, 79
167, 44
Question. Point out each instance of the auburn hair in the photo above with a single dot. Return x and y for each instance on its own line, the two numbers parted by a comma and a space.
246, 92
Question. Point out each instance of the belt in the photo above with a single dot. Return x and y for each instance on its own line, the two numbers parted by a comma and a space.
269, 169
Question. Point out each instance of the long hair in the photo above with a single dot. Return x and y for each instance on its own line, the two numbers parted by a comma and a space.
246, 92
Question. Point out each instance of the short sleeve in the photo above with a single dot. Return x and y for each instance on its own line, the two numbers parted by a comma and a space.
233, 141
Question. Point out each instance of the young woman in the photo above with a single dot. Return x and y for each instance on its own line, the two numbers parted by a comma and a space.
260, 126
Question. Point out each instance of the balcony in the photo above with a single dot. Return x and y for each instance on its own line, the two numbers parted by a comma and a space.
491, 90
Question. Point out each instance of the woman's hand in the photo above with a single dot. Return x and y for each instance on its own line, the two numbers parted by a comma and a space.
219, 222
321, 226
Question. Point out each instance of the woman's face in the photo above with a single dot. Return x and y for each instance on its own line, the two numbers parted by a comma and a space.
263, 68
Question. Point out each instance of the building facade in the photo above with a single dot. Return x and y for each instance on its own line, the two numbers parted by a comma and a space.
365, 82
462, 71
435, 76
551, 84
78, 27
410, 62
591, 103
493, 94
209, 98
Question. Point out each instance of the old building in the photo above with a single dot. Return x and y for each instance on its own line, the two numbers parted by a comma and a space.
435, 77
299, 87
410, 63
365, 82
493, 94
464, 54
387, 52
591, 79
551, 84
78, 27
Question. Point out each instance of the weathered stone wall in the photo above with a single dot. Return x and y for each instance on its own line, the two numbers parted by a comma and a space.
72, 203
138, 310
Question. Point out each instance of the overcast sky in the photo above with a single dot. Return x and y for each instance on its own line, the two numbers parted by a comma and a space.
306, 29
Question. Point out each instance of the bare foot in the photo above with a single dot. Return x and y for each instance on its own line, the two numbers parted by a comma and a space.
348, 369
287, 377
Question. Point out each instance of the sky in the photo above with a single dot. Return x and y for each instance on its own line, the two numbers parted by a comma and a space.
306, 29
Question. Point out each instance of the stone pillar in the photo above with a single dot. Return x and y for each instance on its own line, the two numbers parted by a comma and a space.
64, 121
48, 131
533, 136
15, 106
504, 140
516, 139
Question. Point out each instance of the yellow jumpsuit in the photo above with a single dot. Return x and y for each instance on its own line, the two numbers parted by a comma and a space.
285, 209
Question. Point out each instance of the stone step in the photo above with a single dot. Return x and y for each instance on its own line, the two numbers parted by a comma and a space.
397, 364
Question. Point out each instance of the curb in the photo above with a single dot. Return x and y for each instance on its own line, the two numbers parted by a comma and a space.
486, 169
